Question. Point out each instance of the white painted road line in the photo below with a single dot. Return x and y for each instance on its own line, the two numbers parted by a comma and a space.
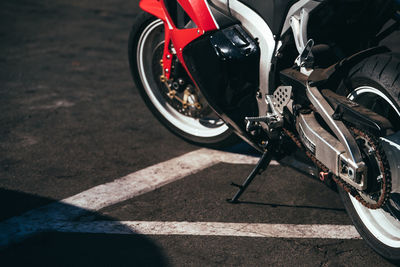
234, 158
145, 180
212, 229
153, 177
121, 189
58, 216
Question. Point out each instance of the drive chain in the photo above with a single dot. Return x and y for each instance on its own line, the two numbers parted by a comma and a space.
382, 161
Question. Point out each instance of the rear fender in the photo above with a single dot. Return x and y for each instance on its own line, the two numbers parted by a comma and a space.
333, 75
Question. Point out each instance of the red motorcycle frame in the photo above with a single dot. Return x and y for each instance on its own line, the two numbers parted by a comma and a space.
197, 10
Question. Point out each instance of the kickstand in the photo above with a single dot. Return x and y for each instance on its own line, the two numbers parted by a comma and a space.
260, 167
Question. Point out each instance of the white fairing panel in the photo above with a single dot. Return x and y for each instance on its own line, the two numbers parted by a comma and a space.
296, 9
257, 28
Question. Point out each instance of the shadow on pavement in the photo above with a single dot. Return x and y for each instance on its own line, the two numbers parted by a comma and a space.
274, 205
55, 248
77, 249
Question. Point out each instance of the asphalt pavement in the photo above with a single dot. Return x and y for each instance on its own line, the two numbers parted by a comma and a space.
71, 120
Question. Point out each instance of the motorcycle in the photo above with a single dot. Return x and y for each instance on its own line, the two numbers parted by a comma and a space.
284, 75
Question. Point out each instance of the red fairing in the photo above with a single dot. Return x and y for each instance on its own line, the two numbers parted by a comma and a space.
197, 10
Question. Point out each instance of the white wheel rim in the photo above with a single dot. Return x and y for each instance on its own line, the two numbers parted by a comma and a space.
184, 123
370, 90
380, 223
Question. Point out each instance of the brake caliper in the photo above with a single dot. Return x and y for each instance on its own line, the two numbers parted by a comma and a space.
181, 94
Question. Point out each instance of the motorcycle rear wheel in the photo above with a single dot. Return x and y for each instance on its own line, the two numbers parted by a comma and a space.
146, 42
375, 83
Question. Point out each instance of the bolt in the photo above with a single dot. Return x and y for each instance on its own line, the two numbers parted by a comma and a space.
371, 151
350, 173
175, 85
168, 56
264, 143
166, 70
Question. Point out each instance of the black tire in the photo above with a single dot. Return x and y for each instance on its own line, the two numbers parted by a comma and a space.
146, 36
375, 83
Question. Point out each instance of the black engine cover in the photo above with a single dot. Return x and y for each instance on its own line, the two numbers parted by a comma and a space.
225, 67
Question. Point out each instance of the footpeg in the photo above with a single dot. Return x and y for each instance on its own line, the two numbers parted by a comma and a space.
252, 122
270, 122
